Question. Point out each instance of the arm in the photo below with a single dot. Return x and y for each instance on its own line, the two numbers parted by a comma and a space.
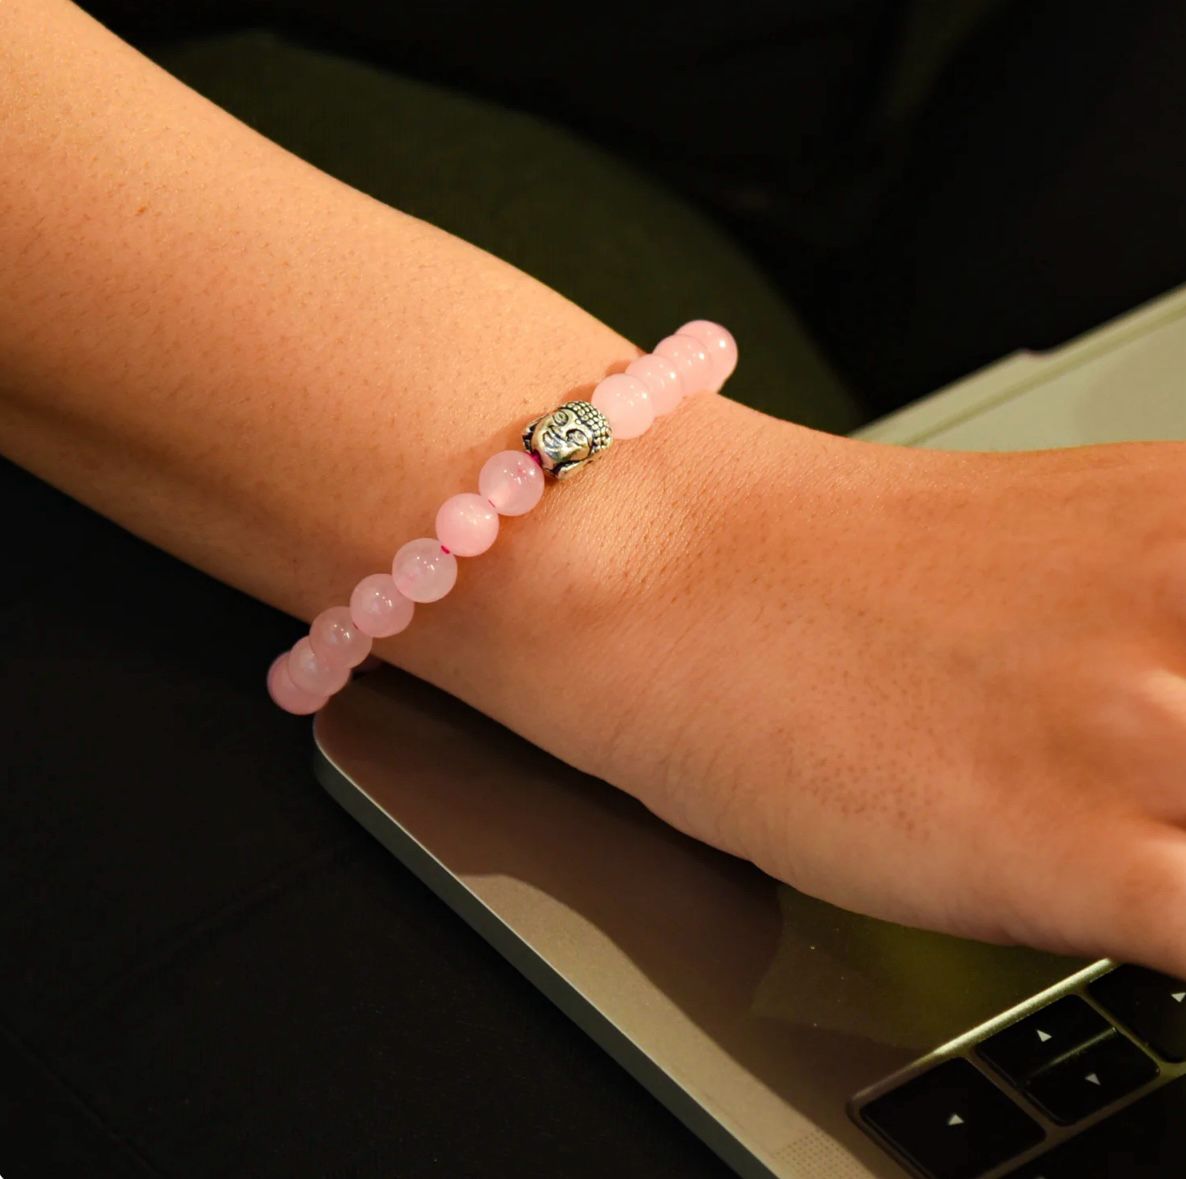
928, 686
275, 377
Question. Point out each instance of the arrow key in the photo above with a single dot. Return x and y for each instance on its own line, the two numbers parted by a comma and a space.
1152, 1004
1032, 1043
952, 1122
1090, 1077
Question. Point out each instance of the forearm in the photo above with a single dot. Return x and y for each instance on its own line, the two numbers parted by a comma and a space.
278, 379
179, 288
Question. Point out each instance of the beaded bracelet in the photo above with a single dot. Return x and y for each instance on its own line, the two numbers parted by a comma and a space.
700, 356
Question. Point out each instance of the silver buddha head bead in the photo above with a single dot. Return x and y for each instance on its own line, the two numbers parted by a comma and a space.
568, 437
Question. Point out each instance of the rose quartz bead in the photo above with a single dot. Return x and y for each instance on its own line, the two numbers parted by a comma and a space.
285, 693
626, 403
423, 571
720, 344
312, 674
690, 356
512, 481
337, 640
661, 378
378, 608
467, 524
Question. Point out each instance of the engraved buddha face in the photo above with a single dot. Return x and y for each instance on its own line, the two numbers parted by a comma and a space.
561, 437
565, 439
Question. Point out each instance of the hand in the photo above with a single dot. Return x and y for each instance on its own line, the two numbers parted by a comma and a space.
940, 688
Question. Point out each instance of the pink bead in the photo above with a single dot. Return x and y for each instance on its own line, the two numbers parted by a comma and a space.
336, 638
467, 524
285, 693
626, 403
721, 347
378, 608
690, 356
423, 571
661, 378
312, 674
512, 481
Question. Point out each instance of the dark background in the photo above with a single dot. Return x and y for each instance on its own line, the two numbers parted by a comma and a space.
208, 968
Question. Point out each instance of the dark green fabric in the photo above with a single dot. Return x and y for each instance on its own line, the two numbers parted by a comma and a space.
565, 211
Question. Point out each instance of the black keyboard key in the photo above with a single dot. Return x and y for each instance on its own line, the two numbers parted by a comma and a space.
1145, 1140
1152, 1004
1030, 1044
953, 1122
1088, 1078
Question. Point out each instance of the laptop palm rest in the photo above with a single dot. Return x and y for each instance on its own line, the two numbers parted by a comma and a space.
753, 1011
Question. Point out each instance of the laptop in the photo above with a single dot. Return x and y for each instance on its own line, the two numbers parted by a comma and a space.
798, 1040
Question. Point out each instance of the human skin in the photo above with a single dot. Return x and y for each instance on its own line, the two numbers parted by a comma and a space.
941, 688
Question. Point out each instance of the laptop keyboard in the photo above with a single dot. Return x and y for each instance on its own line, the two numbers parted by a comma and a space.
1054, 1068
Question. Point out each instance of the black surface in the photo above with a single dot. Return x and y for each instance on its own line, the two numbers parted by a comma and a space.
1030, 1044
1042, 193
1144, 1000
952, 1122
1146, 1140
209, 969
1091, 1077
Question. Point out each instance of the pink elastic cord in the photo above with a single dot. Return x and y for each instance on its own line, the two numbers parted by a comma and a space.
699, 357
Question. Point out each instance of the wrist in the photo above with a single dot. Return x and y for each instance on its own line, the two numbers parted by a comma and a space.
562, 629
